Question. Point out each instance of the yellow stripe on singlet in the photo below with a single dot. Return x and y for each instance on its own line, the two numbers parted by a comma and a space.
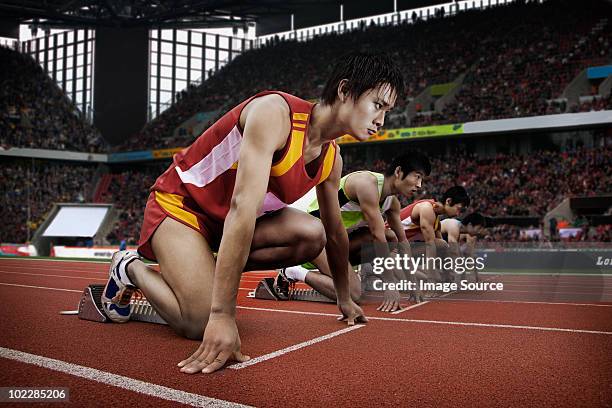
173, 204
328, 162
300, 116
292, 156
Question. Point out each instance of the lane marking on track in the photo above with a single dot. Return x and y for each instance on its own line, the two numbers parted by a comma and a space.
295, 347
437, 297
25, 258
427, 301
535, 291
548, 285
534, 283
301, 312
440, 322
49, 269
53, 276
61, 289
40, 287
85, 278
389, 319
410, 307
522, 301
116, 380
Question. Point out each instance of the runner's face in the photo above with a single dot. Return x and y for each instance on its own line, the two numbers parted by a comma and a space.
453, 210
367, 113
409, 184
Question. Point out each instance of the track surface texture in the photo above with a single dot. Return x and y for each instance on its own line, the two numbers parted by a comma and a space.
528, 346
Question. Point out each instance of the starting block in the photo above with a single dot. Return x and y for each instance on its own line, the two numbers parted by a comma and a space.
265, 291
90, 307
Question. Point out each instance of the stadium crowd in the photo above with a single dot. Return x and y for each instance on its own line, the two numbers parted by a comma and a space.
517, 59
519, 185
35, 113
128, 191
522, 67
29, 187
503, 185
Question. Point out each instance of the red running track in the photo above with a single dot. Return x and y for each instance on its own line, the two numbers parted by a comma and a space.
451, 353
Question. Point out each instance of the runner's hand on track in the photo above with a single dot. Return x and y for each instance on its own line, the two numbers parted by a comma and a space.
351, 313
221, 343
392, 301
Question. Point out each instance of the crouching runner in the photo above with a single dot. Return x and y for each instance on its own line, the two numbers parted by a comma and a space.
229, 191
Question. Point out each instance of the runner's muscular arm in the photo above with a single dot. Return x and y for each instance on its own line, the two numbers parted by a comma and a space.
367, 194
453, 232
425, 212
364, 187
265, 130
395, 222
336, 247
266, 126
337, 238
427, 217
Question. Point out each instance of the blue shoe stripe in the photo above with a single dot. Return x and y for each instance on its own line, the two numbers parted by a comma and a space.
123, 311
111, 289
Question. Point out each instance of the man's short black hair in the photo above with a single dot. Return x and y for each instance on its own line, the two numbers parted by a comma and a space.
474, 218
411, 160
364, 71
458, 195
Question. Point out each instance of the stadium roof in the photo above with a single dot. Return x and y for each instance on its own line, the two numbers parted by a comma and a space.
193, 13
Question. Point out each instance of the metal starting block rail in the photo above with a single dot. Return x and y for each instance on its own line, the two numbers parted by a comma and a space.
265, 291
90, 307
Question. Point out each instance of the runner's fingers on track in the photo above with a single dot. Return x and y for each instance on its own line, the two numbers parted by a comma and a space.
192, 357
223, 357
217, 358
360, 319
352, 313
198, 362
389, 306
356, 317
395, 306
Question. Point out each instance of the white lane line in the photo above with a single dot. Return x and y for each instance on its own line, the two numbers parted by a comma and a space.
127, 383
53, 276
47, 268
295, 347
372, 318
300, 312
61, 289
437, 297
523, 301
25, 258
537, 292
598, 283
40, 287
410, 307
441, 322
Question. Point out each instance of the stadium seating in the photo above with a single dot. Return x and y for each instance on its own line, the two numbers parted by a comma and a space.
29, 186
516, 58
34, 112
